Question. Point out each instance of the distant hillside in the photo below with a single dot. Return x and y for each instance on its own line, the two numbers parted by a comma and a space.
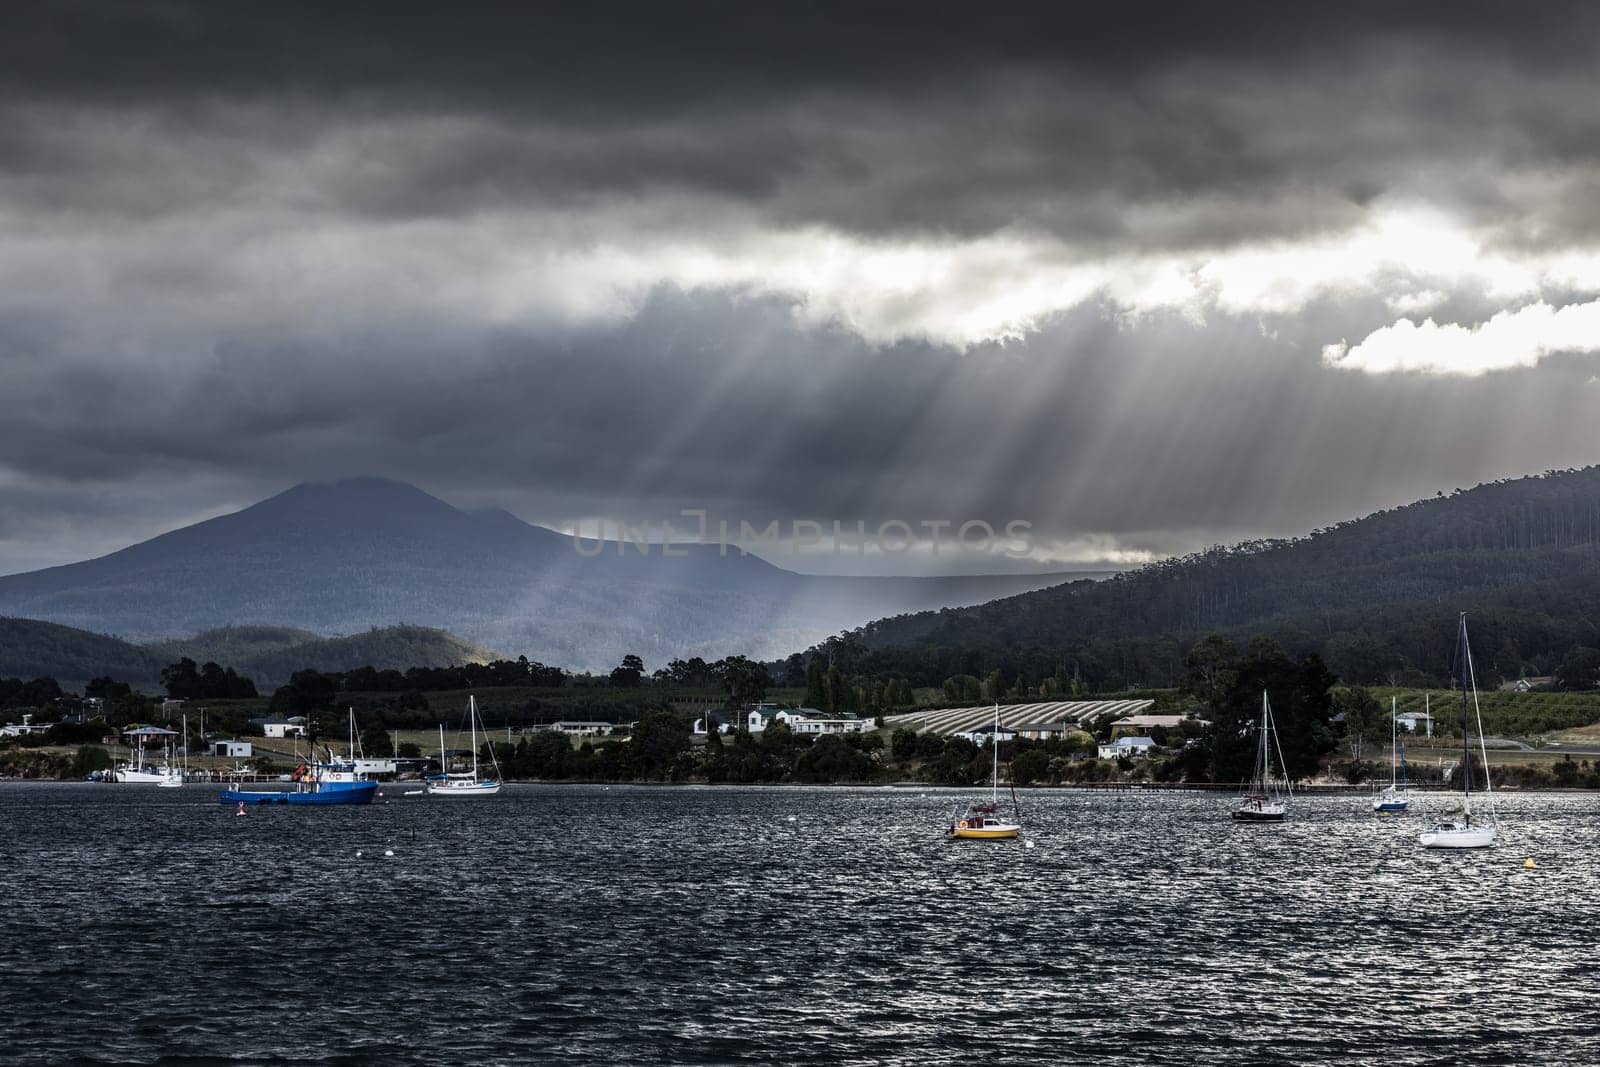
340, 558
265, 654
33, 649
231, 645
397, 647
1377, 597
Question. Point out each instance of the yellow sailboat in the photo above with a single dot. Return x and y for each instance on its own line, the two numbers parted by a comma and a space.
982, 821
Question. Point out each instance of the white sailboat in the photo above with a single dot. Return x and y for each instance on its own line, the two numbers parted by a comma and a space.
465, 784
1457, 827
1265, 798
1397, 796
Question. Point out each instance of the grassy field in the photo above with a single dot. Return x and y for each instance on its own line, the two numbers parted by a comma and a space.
1529, 716
1419, 754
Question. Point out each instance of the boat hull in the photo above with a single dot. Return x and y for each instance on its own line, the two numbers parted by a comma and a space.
130, 776
479, 789
985, 833
1390, 805
328, 794
1258, 814
1469, 837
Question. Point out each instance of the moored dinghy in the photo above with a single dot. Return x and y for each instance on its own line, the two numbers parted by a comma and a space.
1264, 799
1456, 827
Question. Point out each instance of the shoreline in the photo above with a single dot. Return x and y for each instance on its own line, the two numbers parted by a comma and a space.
1076, 787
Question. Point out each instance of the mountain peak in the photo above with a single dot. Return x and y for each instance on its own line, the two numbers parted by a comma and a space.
368, 495
365, 483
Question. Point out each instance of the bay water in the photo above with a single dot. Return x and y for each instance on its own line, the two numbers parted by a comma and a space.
688, 925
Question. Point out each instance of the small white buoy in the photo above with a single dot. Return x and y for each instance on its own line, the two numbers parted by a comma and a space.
388, 852
1027, 844
358, 853
380, 792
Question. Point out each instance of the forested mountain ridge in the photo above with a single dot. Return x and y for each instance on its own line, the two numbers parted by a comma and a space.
267, 655
1376, 597
33, 649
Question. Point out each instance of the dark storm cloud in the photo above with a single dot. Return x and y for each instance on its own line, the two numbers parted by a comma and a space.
1229, 121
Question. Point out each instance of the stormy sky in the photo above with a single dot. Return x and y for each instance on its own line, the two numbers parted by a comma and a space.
1147, 278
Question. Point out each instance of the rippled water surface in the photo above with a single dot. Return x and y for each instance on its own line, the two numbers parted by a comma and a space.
680, 925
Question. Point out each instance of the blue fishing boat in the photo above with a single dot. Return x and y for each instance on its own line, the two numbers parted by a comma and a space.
334, 781
319, 783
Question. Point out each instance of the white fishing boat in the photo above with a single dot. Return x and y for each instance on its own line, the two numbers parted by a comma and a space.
982, 821
1397, 797
449, 783
1265, 797
1456, 826
139, 769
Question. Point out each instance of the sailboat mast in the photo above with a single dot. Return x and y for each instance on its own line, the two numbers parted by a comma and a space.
1466, 734
994, 742
472, 724
1394, 741
1261, 761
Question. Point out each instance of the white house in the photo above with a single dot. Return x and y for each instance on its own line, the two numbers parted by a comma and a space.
760, 716
1043, 731
23, 728
1131, 747
811, 722
281, 728
582, 728
232, 749
980, 735
802, 721
1416, 722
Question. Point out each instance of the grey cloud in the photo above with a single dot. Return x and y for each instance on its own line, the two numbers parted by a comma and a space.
1164, 436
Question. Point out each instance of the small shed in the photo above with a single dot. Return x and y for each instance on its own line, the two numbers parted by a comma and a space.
232, 749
